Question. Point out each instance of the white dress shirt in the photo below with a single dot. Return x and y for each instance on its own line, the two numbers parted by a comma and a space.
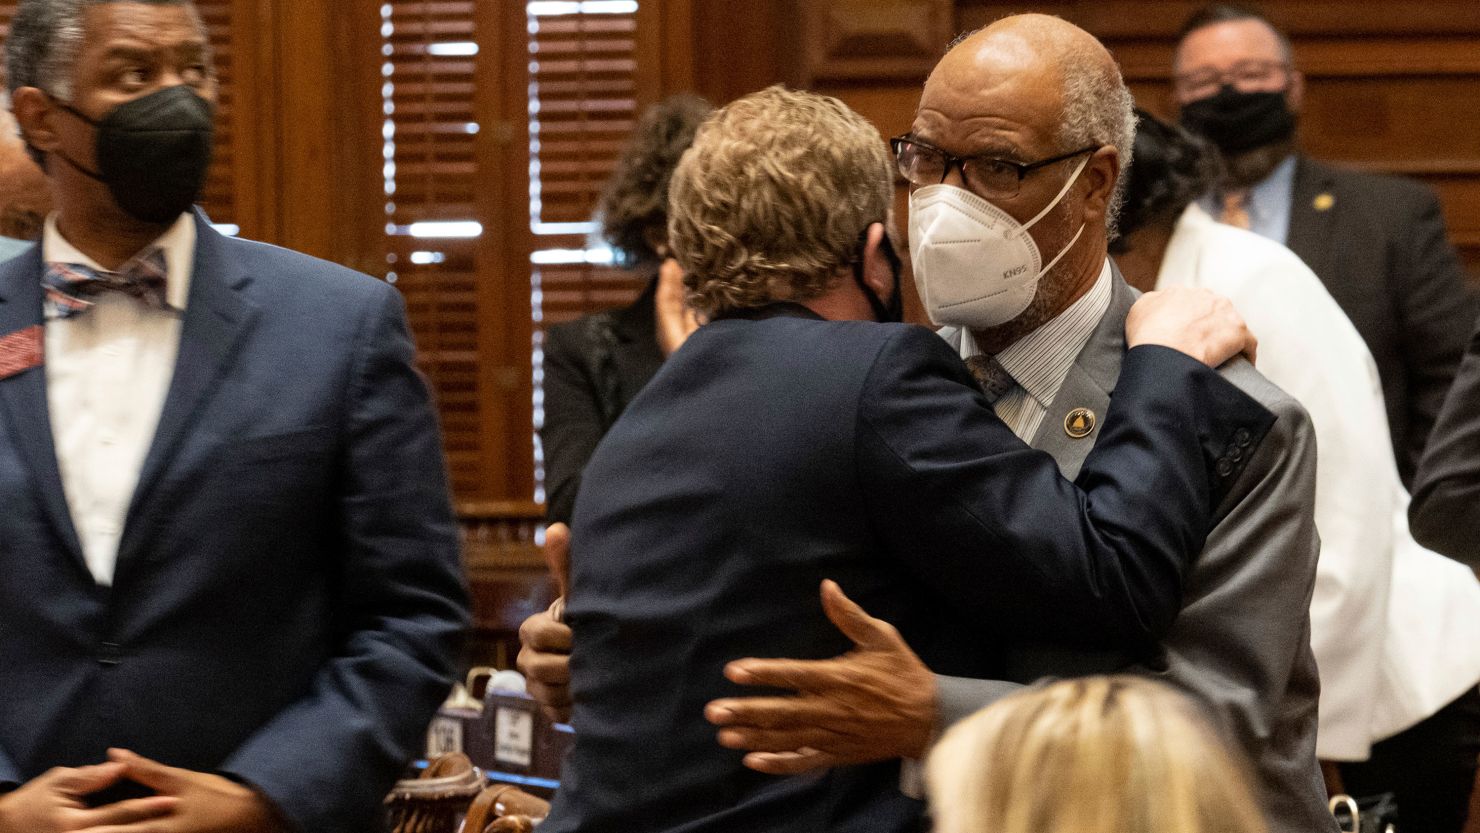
1040, 361
107, 374
1392, 625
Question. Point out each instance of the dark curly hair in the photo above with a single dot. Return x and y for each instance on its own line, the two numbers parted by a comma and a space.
1172, 168
634, 206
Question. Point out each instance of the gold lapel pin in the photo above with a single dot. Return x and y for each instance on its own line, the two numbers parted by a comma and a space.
1080, 423
1323, 202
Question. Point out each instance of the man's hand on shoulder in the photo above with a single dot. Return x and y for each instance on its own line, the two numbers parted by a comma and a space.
53, 803
1191, 320
201, 802
874, 703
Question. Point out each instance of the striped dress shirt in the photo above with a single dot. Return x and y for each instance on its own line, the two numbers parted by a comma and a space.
1040, 361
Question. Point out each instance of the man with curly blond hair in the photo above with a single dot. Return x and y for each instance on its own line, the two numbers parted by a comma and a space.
792, 441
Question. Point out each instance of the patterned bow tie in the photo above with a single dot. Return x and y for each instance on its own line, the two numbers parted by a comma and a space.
71, 286
994, 379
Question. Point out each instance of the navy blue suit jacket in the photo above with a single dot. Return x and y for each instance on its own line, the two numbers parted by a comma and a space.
288, 594
768, 455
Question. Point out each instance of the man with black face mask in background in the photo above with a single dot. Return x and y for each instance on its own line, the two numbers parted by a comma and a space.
232, 589
1377, 242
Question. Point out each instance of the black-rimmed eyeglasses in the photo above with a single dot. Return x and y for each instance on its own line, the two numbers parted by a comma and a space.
986, 176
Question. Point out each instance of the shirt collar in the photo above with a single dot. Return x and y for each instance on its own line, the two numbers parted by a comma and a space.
1268, 192
177, 243
1265, 196
1040, 361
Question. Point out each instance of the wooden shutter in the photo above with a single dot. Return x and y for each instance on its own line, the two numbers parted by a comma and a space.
593, 69
218, 199
431, 175
446, 76
585, 96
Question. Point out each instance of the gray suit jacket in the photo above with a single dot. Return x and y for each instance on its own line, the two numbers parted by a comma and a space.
1242, 642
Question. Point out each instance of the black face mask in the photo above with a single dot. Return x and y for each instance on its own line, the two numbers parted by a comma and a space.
153, 152
1237, 122
892, 312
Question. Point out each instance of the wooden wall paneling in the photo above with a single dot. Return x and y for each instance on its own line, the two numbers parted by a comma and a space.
1113, 19
328, 185
739, 53
504, 324
306, 166
665, 30
219, 196
677, 47
872, 39
255, 172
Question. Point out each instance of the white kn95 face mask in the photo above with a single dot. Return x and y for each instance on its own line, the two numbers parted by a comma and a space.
975, 266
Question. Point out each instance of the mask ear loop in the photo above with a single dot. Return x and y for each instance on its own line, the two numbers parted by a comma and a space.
1056, 200
85, 119
1062, 252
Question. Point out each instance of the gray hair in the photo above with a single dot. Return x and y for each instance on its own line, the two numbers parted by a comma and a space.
1099, 110
46, 38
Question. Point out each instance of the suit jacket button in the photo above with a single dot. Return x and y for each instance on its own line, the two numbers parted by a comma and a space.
1225, 467
109, 654
1241, 438
1236, 454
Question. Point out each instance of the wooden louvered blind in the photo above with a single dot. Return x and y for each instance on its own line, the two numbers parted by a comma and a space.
218, 199
591, 77
430, 50
449, 66
586, 95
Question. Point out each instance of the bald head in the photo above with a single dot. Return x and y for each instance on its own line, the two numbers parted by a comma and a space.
1032, 42
1037, 82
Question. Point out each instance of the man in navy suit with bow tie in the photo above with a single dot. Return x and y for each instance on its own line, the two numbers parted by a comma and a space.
232, 590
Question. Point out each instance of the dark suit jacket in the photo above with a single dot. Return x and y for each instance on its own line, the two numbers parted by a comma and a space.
593, 366
1241, 644
1445, 513
767, 455
1379, 245
288, 594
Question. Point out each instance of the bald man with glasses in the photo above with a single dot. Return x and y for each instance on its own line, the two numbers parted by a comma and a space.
1015, 159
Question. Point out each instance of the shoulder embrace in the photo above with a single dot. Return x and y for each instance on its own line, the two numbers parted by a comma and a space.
910, 342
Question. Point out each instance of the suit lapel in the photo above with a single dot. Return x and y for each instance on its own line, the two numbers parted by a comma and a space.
1089, 384
25, 401
217, 316
1312, 211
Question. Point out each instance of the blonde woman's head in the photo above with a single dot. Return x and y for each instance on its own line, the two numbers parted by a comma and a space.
1089, 755
772, 200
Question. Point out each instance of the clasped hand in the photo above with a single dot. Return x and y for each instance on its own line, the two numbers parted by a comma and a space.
185, 801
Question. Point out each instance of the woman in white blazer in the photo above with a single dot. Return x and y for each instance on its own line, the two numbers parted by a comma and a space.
1395, 627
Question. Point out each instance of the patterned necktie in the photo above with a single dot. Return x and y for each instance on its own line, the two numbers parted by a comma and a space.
70, 287
1236, 209
994, 379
